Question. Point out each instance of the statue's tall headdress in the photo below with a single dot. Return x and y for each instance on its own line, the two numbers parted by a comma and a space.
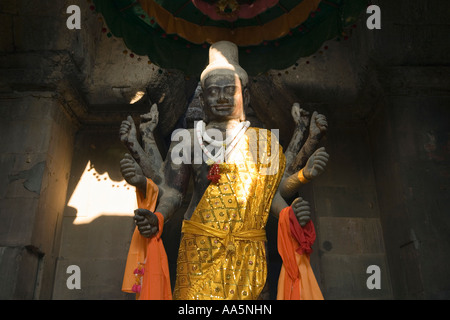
224, 59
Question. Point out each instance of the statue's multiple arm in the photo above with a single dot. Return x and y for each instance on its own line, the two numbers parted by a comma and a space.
302, 164
317, 129
173, 189
299, 205
314, 167
146, 162
176, 181
172, 180
301, 119
148, 158
149, 121
132, 173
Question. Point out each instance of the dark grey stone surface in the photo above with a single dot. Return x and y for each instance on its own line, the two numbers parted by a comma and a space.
383, 199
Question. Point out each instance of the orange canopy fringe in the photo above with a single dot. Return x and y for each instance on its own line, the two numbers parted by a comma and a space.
243, 36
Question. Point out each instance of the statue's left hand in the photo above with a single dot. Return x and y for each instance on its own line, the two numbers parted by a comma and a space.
131, 171
316, 164
301, 210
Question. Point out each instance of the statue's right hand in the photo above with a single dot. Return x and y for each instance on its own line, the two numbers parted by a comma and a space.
127, 130
316, 164
146, 222
301, 210
131, 171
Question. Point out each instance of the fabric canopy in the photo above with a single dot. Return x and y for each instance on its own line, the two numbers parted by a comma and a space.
270, 34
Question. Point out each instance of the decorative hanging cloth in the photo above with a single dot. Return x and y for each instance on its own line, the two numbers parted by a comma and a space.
222, 254
175, 34
147, 268
296, 280
231, 10
268, 26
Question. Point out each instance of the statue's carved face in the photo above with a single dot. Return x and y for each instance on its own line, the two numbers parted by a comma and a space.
223, 98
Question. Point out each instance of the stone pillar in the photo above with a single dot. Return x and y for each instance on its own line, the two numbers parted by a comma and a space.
409, 135
36, 148
347, 217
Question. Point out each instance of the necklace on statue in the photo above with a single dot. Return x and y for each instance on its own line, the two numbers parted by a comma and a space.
223, 148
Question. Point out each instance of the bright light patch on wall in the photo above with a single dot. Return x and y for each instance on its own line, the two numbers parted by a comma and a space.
138, 96
96, 195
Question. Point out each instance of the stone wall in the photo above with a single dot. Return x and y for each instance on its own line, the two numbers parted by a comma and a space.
382, 200
409, 137
36, 153
96, 229
350, 235
97, 224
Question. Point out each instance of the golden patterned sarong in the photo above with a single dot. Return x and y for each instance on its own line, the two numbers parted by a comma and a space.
222, 251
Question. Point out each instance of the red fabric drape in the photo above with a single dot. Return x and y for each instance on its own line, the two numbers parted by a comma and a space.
297, 280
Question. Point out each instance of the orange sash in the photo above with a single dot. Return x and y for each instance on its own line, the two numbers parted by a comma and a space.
150, 254
297, 280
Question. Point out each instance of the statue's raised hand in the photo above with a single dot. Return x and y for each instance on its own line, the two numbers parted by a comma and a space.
146, 222
132, 172
300, 116
301, 210
149, 121
316, 164
318, 125
127, 131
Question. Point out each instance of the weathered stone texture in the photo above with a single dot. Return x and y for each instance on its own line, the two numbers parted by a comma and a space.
36, 150
383, 199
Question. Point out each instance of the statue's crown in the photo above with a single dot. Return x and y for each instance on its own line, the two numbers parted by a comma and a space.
224, 59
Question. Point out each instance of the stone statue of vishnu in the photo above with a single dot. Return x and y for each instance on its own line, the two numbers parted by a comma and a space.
240, 176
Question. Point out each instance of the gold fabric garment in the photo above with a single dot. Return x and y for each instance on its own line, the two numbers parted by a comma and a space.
222, 250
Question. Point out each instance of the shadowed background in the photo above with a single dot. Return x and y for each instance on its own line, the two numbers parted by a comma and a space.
383, 199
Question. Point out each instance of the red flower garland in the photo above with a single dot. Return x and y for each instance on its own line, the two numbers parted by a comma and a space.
214, 173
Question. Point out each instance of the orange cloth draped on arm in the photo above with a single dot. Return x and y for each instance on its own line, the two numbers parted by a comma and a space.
151, 253
297, 280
